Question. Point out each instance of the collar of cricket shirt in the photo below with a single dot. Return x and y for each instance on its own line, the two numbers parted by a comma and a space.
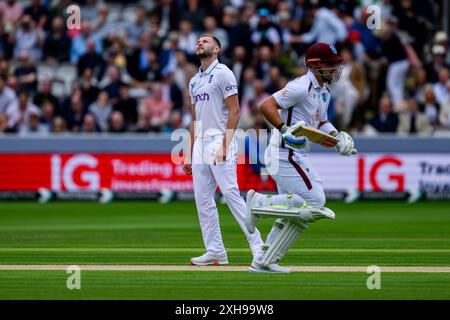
313, 79
209, 69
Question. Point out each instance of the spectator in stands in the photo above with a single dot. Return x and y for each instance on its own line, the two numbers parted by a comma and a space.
101, 109
237, 65
11, 11
90, 10
80, 42
145, 123
194, 12
372, 55
4, 125
74, 109
327, 27
430, 107
116, 55
18, 111
437, 63
348, 90
104, 26
444, 115
28, 38
89, 124
112, 83
172, 92
187, 40
413, 121
127, 106
117, 123
57, 44
58, 125
274, 80
397, 59
249, 100
143, 63
265, 33
266, 59
175, 122
13, 83
385, 120
45, 95
33, 125
93, 60
47, 115
7, 95
157, 106
442, 87
167, 57
89, 86
5, 48
441, 39
239, 34
167, 13
38, 13
26, 73
184, 71
210, 27
418, 86
134, 29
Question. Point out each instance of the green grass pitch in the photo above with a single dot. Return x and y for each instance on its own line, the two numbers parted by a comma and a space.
148, 233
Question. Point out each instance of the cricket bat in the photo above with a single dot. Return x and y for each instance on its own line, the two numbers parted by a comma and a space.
316, 136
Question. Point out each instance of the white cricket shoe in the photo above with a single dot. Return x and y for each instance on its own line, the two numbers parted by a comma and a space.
309, 214
250, 218
207, 259
271, 268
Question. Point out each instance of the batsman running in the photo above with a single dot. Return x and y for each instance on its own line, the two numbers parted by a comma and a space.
297, 111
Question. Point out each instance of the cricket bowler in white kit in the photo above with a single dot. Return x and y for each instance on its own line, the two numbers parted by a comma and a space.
301, 197
215, 115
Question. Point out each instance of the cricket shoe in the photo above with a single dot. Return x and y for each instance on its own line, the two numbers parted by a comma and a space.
271, 268
207, 259
309, 214
250, 219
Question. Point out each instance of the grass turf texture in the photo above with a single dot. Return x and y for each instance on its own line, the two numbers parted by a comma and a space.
367, 233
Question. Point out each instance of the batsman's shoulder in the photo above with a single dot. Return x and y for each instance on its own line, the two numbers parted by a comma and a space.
297, 87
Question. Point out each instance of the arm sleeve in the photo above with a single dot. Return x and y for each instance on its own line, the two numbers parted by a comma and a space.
227, 84
292, 94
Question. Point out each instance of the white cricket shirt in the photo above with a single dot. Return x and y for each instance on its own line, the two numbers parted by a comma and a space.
208, 91
301, 99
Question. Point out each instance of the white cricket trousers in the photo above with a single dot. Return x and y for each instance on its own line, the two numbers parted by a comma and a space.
294, 173
207, 176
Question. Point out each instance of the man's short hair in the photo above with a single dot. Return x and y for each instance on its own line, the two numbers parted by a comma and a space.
215, 38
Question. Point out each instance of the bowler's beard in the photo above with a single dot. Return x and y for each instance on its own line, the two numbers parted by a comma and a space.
205, 54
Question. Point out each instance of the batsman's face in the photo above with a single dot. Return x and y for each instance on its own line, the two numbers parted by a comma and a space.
206, 47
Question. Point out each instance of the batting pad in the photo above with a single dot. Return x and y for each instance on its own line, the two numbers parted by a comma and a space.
280, 239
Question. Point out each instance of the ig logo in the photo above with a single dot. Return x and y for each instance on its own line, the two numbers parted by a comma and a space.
74, 18
374, 20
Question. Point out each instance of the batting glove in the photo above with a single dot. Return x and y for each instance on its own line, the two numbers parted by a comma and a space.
345, 146
295, 142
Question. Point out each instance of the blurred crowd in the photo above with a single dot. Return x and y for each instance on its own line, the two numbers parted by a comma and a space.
127, 67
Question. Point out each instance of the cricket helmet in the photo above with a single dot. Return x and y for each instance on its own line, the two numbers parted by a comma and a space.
324, 59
